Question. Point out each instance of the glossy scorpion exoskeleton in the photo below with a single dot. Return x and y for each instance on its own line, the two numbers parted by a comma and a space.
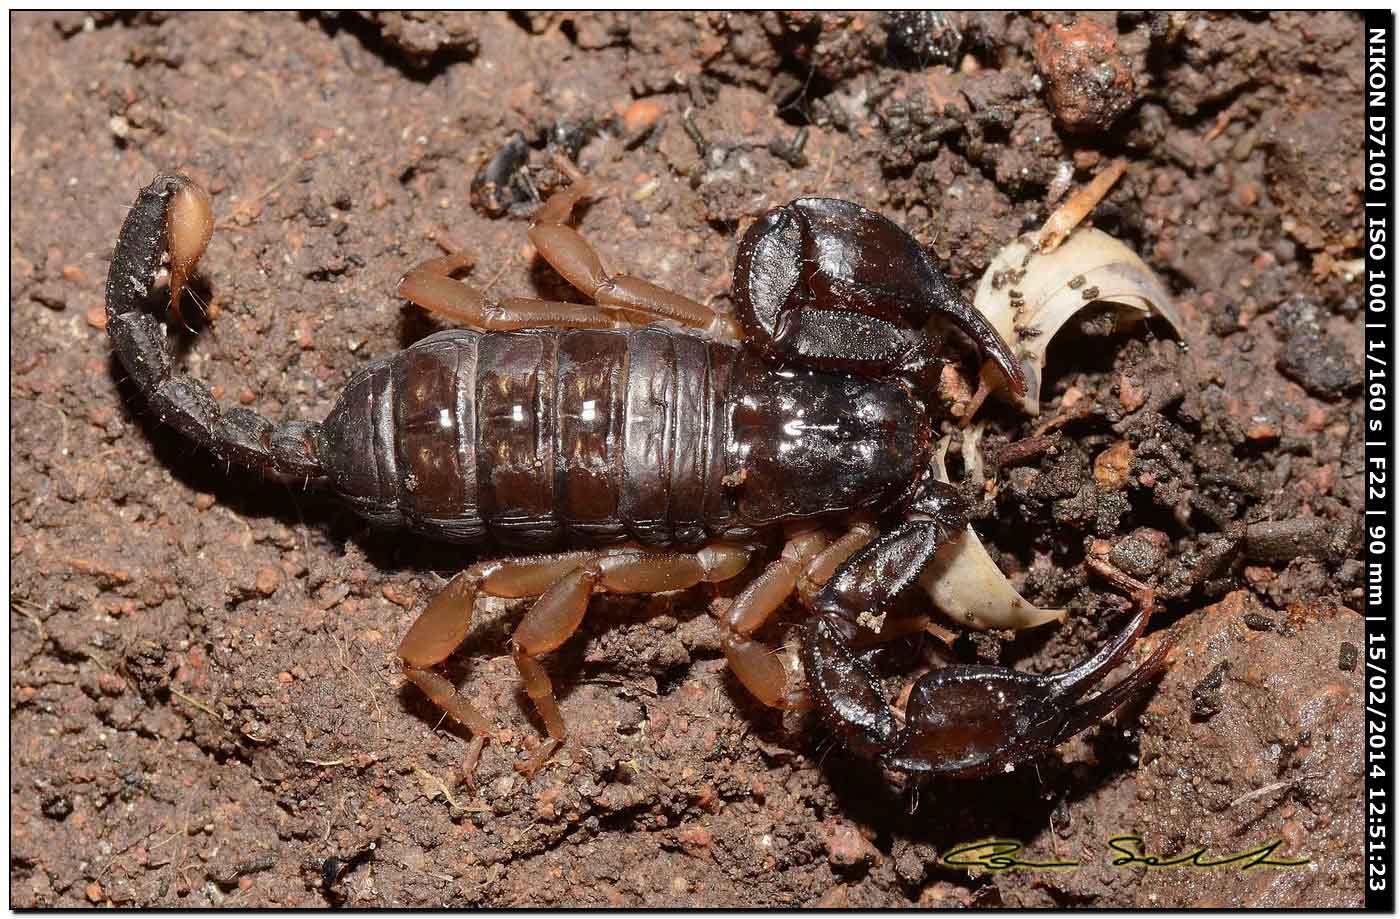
670, 449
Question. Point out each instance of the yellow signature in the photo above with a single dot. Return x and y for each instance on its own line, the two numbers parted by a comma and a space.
1003, 855
1261, 856
995, 855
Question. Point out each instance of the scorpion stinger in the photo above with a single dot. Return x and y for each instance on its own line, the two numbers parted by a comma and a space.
171, 218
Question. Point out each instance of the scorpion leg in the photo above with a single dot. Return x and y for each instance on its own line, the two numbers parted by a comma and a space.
575, 259
431, 286
434, 636
563, 582
806, 563
756, 666
560, 610
823, 565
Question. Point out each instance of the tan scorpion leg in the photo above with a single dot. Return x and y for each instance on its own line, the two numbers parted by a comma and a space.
805, 565
563, 582
576, 260
432, 287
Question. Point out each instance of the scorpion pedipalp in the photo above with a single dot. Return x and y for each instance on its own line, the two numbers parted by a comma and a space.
970, 721
835, 284
961, 721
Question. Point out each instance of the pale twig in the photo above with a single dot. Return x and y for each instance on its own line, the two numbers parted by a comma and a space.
1267, 789
197, 704
1070, 214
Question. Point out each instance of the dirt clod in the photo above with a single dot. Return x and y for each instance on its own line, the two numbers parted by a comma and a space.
846, 847
1205, 695
1318, 362
429, 38
1277, 760
1314, 174
1279, 542
922, 37
1089, 83
269, 579
57, 807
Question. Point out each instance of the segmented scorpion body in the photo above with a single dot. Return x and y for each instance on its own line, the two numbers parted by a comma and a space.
670, 449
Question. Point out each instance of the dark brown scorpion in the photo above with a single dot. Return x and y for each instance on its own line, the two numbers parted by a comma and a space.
671, 448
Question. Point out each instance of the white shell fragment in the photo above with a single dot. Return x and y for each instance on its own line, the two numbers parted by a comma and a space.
1028, 296
967, 586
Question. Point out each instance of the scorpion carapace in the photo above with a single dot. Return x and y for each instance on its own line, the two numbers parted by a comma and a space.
666, 452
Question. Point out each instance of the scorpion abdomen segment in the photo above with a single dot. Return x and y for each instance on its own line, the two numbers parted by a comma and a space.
539, 438
430, 435
359, 469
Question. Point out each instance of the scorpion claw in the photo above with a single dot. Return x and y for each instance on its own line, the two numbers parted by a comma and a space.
821, 280
846, 692
965, 722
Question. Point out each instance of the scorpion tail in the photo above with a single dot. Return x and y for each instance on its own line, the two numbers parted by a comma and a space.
171, 220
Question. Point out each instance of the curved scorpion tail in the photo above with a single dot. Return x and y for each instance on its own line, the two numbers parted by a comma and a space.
171, 220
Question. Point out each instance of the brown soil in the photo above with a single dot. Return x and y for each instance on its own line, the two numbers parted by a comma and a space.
206, 708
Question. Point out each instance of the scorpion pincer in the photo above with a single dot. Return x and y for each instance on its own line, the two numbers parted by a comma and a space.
663, 443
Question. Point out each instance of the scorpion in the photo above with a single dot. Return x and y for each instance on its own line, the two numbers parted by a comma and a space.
662, 444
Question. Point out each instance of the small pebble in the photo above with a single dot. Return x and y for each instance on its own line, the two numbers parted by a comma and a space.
1206, 701
1258, 622
642, 114
269, 579
398, 595
1089, 84
546, 804
846, 847
1258, 574
57, 807
1111, 467
1347, 657
50, 295
1130, 395
695, 839
1262, 431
